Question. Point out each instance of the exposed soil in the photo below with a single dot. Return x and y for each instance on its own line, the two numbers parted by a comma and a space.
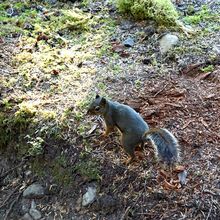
174, 93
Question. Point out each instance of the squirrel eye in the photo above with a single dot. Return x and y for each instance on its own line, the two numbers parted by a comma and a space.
97, 108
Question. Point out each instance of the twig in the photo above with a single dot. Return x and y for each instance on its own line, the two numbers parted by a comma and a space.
126, 213
210, 192
130, 207
210, 210
91, 135
16, 188
160, 91
174, 105
11, 206
10, 170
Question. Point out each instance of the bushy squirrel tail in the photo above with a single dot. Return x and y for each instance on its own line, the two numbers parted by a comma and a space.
166, 145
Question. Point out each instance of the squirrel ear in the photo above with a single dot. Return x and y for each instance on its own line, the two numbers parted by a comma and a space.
103, 101
97, 96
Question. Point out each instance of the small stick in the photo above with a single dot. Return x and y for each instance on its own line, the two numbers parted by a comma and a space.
130, 207
10, 170
160, 91
210, 210
11, 206
3, 204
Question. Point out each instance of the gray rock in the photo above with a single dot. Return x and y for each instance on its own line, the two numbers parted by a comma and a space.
34, 191
52, 2
146, 61
41, 8
182, 177
127, 25
25, 205
216, 49
35, 214
129, 42
89, 196
149, 31
26, 217
33, 204
167, 42
28, 26
12, 12
28, 173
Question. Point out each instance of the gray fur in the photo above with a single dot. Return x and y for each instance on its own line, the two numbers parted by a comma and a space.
133, 129
167, 148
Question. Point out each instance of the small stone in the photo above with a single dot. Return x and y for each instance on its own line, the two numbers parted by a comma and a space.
127, 25
129, 42
146, 61
35, 214
28, 26
89, 196
25, 205
33, 204
216, 49
12, 12
149, 31
28, 173
41, 8
52, 2
167, 42
34, 191
182, 177
27, 217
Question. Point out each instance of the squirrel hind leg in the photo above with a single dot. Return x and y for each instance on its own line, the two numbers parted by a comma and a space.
129, 149
129, 143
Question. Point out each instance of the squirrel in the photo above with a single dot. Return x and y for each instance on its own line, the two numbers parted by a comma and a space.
135, 131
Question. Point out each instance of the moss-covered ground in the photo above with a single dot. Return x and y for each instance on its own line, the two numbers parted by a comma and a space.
53, 59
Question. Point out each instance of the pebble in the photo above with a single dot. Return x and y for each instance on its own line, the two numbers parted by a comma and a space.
35, 214
146, 61
28, 26
12, 12
34, 191
216, 49
25, 205
129, 42
26, 217
89, 196
167, 42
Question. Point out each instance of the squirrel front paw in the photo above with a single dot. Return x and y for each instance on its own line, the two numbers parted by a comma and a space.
129, 161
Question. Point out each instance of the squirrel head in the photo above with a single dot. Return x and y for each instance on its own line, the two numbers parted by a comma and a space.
98, 106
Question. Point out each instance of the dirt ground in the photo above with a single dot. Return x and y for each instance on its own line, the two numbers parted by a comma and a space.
175, 94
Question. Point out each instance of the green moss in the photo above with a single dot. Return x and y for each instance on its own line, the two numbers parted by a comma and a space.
207, 69
71, 20
85, 3
190, 9
61, 173
162, 11
15, 24
6, 103
202, 16
38, 167
13, 124
88, 168
7, 29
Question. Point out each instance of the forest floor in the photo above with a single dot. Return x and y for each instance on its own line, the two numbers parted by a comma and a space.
54, 58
